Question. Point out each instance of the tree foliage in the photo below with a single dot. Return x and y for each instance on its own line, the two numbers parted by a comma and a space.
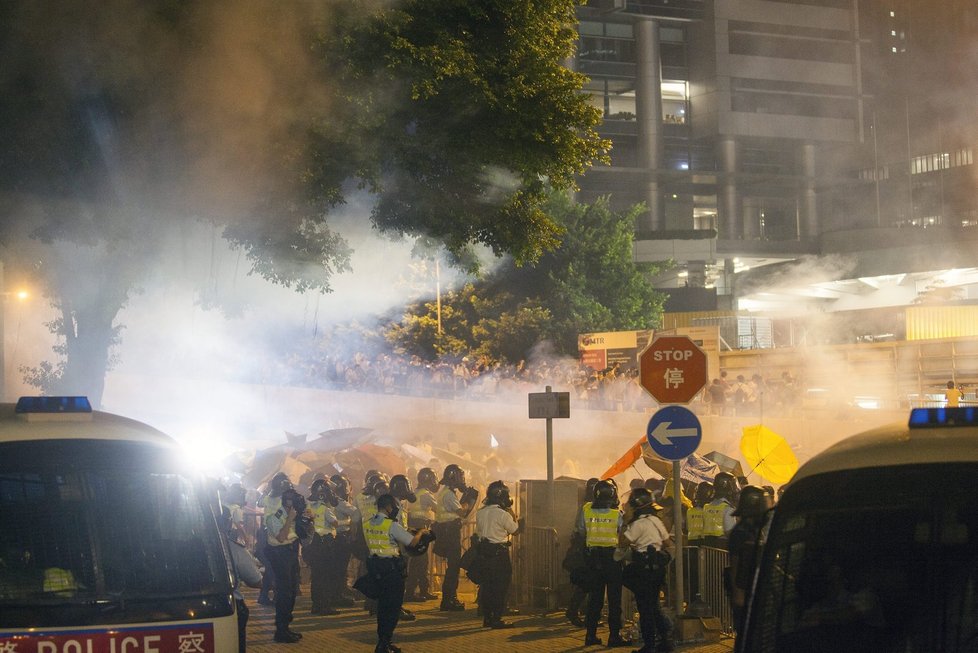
122, 124
590, 283
465, 115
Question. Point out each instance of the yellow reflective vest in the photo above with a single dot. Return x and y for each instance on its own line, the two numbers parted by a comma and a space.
713, 513
442, 515
366, 504
379, 538
419, 509
696, 523
601, 527
322, 521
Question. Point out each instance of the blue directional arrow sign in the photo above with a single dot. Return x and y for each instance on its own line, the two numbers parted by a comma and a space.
674, 432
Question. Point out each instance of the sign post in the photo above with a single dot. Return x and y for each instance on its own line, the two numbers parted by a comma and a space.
673, 433
549, 405
673, 370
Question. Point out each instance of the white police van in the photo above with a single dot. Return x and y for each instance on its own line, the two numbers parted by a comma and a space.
874, 545
108, 544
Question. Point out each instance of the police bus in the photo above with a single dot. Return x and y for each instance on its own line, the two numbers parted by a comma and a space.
874, 545
108, 544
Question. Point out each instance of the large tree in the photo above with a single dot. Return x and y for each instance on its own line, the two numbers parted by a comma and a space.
589, 283
125, 119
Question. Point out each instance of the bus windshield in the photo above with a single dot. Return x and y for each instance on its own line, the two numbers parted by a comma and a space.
97, 532
883, 559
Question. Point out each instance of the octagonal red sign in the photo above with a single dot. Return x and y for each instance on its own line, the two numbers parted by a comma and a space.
672, 369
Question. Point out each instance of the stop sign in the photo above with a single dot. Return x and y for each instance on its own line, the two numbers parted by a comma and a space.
672, 369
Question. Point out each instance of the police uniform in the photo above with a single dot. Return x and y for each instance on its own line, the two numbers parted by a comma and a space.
449, 533
268, 505
493, 526
283, 556
318, 556
600, 527
346, 515
420, 515
718, 521
385, 537
646, 536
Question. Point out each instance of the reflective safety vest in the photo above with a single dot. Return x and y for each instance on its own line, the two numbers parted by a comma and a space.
59, 581
601, 527
270, 504
323, 518
419, 509
366, 504
379, 538
695, 522
713, 513
442, 515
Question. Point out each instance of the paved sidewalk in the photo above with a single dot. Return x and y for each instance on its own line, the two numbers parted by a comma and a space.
433, 632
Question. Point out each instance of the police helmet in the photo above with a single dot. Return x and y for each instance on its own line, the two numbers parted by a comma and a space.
498, 494
589, 488
400, 487
640, 498
605, 495
427, 478
279, 484
724, 485
704, 493
341, 485
453, 477
322, 490
379, 487
753, 502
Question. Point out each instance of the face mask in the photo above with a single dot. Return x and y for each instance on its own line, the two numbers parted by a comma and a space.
394, 513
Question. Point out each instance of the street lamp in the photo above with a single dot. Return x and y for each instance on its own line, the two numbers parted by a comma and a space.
20, 295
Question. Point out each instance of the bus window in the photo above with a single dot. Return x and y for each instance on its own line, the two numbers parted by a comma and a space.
877, 559
101, 532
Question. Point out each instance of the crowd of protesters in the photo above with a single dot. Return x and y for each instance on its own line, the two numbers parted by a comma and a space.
477, 378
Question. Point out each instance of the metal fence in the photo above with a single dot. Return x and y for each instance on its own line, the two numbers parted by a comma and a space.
536, 569
704, 571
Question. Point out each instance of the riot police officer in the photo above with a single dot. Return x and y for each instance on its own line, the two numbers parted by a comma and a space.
494, 523
268, 504
400, 489
576, 551
420, 515
718, 519
600, 523
385, 564
282, 552
347, 515
322, 547
753, 504
651, 546
454, 502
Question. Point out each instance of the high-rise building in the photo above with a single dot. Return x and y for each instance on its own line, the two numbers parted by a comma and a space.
818, 151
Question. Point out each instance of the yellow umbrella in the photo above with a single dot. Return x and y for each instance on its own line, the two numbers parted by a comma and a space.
768, 454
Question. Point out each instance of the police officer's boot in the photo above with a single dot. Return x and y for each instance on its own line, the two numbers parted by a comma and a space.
592, 639
616, 640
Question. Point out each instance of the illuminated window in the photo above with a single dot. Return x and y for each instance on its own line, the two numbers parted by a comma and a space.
674, 101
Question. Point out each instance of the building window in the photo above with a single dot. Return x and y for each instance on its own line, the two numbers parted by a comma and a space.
675, 97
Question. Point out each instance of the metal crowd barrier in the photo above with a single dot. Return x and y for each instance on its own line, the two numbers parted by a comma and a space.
535, 568
704, 576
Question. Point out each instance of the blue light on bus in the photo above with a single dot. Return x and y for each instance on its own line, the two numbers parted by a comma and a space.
53, 405
931, 417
